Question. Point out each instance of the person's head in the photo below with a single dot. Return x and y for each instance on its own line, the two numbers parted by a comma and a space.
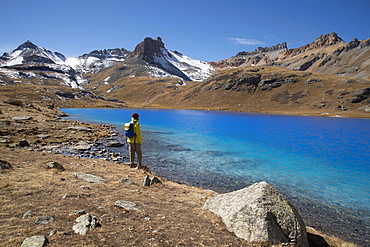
135, 116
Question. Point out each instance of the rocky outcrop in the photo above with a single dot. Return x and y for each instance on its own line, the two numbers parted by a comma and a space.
117, 53
277, 47
153, 51
322, 41
360, 95
260, 55
260, 214
148, 49
328, 54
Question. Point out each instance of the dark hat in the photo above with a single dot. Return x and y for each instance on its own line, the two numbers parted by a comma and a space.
135, 115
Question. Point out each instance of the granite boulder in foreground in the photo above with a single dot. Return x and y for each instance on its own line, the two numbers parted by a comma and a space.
260, 214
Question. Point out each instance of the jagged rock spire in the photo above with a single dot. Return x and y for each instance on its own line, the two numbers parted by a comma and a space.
147, 49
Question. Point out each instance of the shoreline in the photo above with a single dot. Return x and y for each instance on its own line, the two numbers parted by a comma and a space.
60, 131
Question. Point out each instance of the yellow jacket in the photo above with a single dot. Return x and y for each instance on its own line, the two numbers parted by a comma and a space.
137, 138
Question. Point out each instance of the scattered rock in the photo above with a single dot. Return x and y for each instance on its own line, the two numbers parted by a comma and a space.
85, 223
35, 241
82, 146
260, 214
146, 181
23, 143
321, 105
367, 109
5, 165
21, 118
16, 102
43, 220
150, 181
43, 136
127, 205
78, 213
312, 81
54, 165
27, 214
341, 108
114, 144
80, 128
155, 180
88, 177
127, 181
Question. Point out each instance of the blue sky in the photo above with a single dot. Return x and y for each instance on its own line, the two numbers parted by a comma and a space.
209, 30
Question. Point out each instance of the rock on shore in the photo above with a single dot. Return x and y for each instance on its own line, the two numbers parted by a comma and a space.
260, 214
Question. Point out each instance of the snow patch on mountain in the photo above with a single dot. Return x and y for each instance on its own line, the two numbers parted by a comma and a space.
197, 70
91, 64
174, 62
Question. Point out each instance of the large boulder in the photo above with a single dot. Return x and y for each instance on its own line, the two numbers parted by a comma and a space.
260, 214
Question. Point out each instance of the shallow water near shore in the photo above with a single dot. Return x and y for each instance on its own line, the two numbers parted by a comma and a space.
321, 164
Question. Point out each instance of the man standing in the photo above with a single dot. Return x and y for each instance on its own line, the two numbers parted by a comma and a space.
135, 142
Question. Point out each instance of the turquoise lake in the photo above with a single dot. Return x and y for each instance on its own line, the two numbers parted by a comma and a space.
321, 164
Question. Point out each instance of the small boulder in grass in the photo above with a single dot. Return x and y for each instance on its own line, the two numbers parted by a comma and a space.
54, 165
35, 241
127, 205
5, 165
85, 223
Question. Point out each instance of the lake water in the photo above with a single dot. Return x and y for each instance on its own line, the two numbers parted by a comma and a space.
321, 164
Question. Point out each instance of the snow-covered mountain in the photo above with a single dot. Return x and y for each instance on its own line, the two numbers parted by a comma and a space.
28, 60
97, 59
33, 63
28, 53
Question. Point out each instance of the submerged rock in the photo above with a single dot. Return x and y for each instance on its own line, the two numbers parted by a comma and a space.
260, 214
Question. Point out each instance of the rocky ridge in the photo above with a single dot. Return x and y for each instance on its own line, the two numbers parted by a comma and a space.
328, 54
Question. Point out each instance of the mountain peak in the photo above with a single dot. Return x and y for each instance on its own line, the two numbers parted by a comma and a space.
147, 49
27, 44
326, 39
